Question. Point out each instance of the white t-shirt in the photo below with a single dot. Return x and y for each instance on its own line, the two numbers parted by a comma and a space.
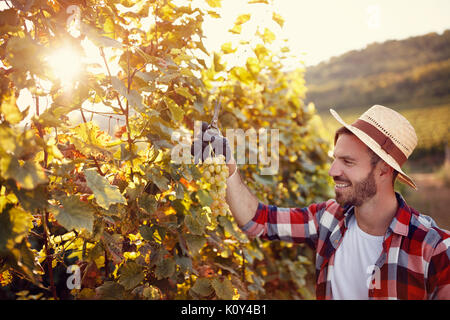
354, 262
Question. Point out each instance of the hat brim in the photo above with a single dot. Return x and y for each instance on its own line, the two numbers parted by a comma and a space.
375, 147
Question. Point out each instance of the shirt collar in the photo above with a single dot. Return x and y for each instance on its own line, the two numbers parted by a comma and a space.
400, 222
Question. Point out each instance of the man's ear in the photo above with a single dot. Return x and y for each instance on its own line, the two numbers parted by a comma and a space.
385, 170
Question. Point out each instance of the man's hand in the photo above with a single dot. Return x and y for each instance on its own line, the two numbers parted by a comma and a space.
210, 142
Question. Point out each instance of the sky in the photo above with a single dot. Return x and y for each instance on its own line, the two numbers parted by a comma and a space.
315, 29
319, 29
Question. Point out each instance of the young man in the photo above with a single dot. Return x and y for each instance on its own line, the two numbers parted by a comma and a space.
369, 243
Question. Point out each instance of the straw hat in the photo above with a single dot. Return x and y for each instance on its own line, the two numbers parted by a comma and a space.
388, 134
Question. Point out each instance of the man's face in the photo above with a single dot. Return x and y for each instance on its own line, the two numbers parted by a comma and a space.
352, 171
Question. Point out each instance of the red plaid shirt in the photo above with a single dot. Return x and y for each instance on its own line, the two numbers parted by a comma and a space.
414, 263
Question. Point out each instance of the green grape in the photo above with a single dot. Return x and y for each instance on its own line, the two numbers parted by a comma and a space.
215, 172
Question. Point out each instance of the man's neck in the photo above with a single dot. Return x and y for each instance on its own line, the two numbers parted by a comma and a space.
376, 214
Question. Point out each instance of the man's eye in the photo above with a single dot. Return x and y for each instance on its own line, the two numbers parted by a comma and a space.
347, 162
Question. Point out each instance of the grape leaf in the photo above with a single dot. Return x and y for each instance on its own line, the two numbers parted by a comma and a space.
214, 3
202, 287
111, 290
74, 214
14, 224
204, 198
278, 19
176, 111
194, 225
28, 174
224, 290
165, 268
105, 193
131, 274
9, 109
113, 245
194, 243
243, 18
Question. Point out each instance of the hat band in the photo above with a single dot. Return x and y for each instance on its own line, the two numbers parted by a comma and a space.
384, 141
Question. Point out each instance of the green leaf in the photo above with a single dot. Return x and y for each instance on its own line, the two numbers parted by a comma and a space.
165, 268
204, 198
159, 179
74, 214
194, 225
229, 227
105, 193
148, 203
146, 232
202, 287
111, 290
224, 289
184, 262
131, 274
194, 243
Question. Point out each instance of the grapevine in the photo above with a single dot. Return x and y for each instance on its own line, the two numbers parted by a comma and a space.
109, 203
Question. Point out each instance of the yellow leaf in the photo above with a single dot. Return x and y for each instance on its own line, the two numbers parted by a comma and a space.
278, 19
268, 36
227, 48
214, 3
243, 18
9, 109
236, 29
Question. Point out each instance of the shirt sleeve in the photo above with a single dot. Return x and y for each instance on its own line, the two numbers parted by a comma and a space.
439, 271
299, 225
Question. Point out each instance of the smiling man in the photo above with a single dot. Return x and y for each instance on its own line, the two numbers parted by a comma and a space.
369, 243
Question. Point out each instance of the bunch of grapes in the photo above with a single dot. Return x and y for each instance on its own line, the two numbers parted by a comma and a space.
215, 172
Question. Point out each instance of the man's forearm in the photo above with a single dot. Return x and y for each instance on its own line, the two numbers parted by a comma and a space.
242, 202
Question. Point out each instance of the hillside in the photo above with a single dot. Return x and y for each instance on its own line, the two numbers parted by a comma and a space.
414, 72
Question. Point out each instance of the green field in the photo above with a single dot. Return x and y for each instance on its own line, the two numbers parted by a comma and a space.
432, 125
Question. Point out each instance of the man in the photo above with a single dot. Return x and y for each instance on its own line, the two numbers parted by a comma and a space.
369, 243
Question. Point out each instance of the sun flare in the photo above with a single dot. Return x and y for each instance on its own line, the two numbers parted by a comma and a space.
65, 64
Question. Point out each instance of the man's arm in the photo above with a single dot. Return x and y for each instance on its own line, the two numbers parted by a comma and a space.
242, 202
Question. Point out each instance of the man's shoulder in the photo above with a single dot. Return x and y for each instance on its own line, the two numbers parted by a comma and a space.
424, 228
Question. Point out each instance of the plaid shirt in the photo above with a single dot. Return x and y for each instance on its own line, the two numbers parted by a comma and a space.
414, 263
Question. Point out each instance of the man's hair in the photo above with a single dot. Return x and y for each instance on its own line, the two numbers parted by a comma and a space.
374, 158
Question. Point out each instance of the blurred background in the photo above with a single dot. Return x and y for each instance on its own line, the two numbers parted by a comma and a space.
360, 53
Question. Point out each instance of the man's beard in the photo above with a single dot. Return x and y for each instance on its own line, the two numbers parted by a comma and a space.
359, 193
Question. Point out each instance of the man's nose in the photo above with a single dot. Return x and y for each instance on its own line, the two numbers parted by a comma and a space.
334, 171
